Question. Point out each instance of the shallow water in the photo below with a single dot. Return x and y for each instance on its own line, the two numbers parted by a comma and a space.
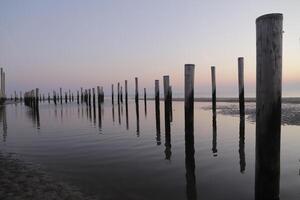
128, 157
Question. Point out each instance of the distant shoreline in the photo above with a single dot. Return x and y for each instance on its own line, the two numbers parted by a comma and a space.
235, 100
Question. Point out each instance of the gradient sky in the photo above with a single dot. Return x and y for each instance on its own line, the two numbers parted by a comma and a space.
73, 43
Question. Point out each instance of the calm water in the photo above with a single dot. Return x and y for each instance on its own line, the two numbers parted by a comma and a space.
117, 156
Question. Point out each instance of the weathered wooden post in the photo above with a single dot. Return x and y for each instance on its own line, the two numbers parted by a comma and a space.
126, 92
241, 85
145, 96
189, 70
37, 97
102, 94
48, 97
77, 97
136, 90
166, 82
156, 91
145, 101
189, 76
121, 95
60, 95
213, 88
112, 93
54, 97
66, 97
268, 105
94, 97
90, 100
21, 99
81, 95
16, 96
98, 95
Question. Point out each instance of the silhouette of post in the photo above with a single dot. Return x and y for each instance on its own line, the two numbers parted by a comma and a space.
77, 97
81, 95
60, 94
166, 80
189, 76
241, 85
112, 93
213, 87
136, 90
121, 95
268, 105
70, 99
242, 144
145, 100
126, 92
94, 97
66, 97
156, 91
189, 70
54, 97
90, 98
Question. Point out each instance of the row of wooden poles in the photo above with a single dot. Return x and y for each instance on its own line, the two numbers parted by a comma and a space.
268, 105
268, 109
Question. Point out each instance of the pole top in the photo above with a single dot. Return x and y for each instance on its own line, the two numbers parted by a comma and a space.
189, 65
274, 16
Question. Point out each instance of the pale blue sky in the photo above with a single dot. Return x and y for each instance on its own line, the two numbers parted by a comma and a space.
73, 43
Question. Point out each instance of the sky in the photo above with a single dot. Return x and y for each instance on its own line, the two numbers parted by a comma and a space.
85, 43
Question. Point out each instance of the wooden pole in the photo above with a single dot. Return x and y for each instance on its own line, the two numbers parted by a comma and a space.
126, 92
268, 105
121, 95
60, 94
145, 96
166, 80
156, 91
94, 97
241, 85
213, 87
136, 90
189, 70
189, 76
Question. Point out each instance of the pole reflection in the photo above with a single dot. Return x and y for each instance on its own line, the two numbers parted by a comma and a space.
168, 152
137, 118
157, 117
242, 144
214, 140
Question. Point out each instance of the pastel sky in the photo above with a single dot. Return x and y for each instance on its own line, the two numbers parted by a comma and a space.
73, 43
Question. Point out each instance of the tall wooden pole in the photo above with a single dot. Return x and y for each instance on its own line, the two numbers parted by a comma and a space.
241, 85
136, 90
126, 92
268, 105
213, 87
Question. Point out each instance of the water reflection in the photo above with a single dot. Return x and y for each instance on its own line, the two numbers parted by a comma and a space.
191, 191
137, 118
34, 115
157, 118
242, 144
214, 140
119, 113
4, 121
99, 117
113, 112
267, 155
126, 110
168, 152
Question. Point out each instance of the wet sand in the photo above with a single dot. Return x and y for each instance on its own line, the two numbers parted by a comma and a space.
20, 180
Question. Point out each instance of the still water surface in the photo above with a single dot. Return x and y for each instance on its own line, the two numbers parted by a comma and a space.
115, 154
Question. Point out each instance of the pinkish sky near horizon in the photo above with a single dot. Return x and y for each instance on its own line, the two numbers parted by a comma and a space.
75, 43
